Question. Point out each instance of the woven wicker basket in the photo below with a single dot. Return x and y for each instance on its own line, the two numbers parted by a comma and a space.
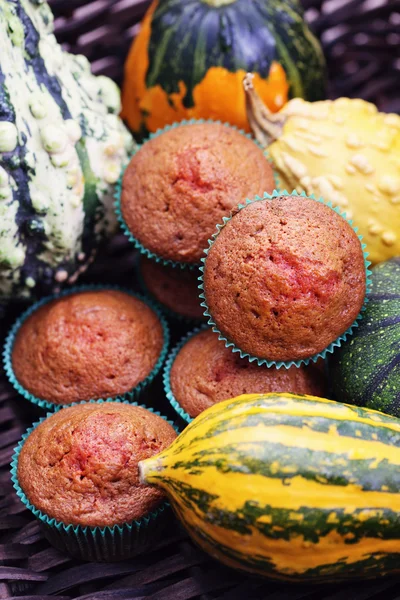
361, 39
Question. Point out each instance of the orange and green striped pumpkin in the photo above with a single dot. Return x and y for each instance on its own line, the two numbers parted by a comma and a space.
190, 57
290, 487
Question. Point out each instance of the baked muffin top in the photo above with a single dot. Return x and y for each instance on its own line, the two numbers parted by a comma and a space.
285, 278
180, 184
92, 344
177, 289
205, 372
80, 465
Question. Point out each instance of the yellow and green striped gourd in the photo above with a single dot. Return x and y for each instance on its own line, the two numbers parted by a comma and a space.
290, 487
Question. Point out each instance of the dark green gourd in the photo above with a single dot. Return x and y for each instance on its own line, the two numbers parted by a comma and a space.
62, 147
366, 369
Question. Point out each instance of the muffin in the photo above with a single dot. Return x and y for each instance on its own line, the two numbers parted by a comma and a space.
284, 278
183, 181
176, 289
79, 467
205, 372
88, 344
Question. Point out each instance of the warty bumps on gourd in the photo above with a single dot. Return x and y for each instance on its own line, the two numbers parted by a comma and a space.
62, 147
344, 150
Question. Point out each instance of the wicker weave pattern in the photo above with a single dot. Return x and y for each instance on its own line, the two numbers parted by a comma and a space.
361, 40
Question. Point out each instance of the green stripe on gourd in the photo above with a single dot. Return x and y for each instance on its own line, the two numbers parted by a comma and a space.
307, 524
280, 462
366, 369
90, 200
288, 486
348, 428
277, 523
291, 67
373, 566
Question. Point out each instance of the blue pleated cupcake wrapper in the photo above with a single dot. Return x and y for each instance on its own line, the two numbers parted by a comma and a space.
167, 374
118, 189
130, 395
95, 543
168, 312
263, 361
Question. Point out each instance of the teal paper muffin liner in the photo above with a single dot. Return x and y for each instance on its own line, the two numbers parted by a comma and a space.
168, 312
131, 395
263, 361
118, 189
167, 374
102, 544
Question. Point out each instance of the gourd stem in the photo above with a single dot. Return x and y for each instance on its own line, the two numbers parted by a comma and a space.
149, 470
218, 3
266, 126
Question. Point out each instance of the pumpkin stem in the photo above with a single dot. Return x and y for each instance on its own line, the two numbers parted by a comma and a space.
149, 470
266, 126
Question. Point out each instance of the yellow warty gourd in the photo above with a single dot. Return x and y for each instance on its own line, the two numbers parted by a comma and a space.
343, 150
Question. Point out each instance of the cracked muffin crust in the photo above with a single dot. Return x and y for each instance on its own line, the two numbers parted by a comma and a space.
180, 184
92, 344
284, 278
205, 372
80, 465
